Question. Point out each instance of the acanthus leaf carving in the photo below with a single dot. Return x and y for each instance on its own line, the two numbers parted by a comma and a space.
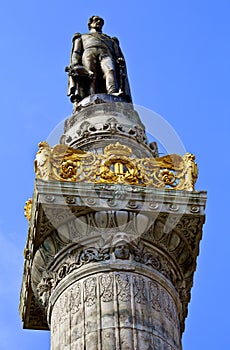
44, 288
123, 287
74, 262
75, 298
155, 300
106, 285
90, 291
139, 290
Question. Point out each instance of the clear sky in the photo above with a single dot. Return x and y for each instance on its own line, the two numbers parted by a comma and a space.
178, 58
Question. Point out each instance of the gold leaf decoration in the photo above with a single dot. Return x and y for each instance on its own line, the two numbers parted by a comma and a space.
28, 208
115, 165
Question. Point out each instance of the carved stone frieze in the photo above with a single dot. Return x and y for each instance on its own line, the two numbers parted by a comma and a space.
119, 246
110, 126
123, 112
32, 312
95, 126
134, 302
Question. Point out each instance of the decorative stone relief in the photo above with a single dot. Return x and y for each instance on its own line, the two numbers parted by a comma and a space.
90, 291
139, 290
123, 287
38, 321
111, 126
188, 227
75, 299
118, 246
106, 287
182, 241
155, 296
44, 289
124, 300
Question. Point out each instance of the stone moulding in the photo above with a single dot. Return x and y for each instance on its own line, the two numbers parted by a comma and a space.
115, 165
99, 124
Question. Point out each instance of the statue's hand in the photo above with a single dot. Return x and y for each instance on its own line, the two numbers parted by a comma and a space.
91, 74
80, 71
75, 67
121, 61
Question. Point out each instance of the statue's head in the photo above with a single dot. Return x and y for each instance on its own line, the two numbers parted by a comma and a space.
95, 22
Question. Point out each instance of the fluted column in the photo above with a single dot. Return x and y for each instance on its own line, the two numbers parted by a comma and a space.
122, 310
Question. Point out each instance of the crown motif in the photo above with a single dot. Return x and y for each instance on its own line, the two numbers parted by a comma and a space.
117, 150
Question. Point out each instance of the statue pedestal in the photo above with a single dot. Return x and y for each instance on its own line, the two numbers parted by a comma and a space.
103, 119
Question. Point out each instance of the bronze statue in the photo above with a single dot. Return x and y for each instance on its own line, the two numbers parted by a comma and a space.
97, 65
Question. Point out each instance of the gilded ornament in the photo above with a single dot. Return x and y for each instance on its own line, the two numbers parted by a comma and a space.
115, 166
167, 177
42, 161
191, 170
117, 150
28, 208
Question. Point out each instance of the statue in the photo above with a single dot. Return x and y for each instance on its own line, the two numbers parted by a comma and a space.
97, 65
42, 161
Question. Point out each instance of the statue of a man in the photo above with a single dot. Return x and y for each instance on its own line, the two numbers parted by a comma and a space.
97, 64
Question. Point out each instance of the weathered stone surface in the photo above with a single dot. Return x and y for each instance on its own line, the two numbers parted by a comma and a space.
102, 120
115, 310
85, 232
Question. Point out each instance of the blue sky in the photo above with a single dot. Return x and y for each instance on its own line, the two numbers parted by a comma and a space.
178, 58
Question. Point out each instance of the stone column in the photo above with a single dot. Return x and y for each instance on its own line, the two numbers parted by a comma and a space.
121, 309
